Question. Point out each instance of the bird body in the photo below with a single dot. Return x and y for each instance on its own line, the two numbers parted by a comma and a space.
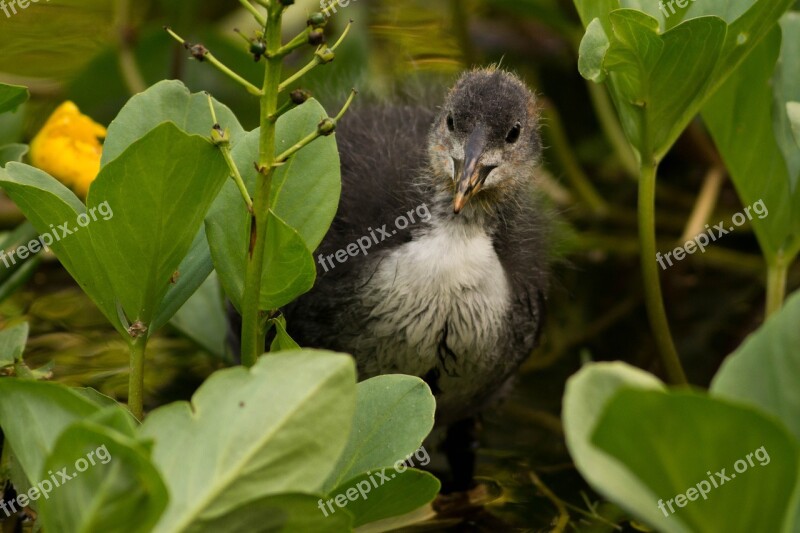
453, 289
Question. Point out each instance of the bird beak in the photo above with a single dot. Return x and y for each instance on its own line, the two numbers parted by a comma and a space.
469, 180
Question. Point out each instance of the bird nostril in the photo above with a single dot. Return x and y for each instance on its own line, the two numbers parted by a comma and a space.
458, 168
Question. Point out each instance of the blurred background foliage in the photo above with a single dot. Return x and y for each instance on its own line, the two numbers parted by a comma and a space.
99, 52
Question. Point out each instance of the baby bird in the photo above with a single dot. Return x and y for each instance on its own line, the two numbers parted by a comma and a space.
436, 264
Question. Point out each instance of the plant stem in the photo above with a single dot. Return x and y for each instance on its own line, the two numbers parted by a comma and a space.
254, 12
253, 333
579, 180
612, 128
205, 55
129, 69
136, 379
311, 137
652, 282
706, 202
776, 283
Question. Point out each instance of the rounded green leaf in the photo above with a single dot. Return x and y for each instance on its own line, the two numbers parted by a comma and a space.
246, 434
33, 415
765, 370
394, 414
166, 101
381, 494
707, 464
586, 396
283, 513
112, 486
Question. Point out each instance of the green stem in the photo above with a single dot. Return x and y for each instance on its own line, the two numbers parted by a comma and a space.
561, 148
219, 65
253, 334
604, 110
776, 283
311, 137
254, 12
652, 282
131, 74
136, 379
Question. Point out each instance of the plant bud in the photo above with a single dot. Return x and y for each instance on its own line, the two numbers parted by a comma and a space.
326, 55
317, 20
316, 37
299, 96
326, 127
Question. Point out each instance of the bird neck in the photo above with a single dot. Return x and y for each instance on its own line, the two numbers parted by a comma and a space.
479, 213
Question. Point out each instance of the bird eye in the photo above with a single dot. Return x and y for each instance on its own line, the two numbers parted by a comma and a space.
451, 124
513, 135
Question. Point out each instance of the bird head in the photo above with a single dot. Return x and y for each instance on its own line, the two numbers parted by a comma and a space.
486, 139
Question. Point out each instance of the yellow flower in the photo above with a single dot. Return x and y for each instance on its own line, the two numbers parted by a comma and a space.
68, 148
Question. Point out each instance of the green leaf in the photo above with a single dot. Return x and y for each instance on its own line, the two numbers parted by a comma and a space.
682, 440
593, 49
282, 340
289, 269
394, 414
49, 205
33, 414
12, 152
375, 496
113, 487
305, 191
202, 318
765, 369
254, 426
661, 67
12, 96
280, 513
740, 119
166, 101
192, 273
586, 396
12, 344
159, 190
304, 198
